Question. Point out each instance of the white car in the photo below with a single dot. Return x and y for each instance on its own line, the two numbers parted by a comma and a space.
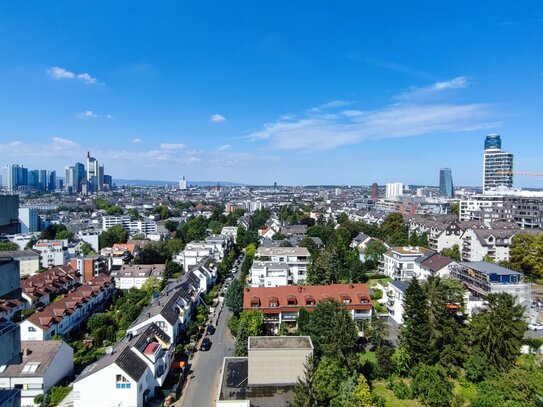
535, 327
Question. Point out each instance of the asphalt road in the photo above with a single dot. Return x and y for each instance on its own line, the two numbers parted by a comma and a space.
204, 384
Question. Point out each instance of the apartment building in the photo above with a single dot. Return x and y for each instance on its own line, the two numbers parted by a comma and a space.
135, 276
68, 313
281, 304
481, 279
133, 226
399, 262
270, 263
52, 252
90, 266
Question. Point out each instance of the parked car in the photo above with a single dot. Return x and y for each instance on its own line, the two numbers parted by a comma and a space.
206, 344
535, 327
210, 330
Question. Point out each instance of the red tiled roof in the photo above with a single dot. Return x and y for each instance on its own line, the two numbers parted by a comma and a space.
131, 247
357, 294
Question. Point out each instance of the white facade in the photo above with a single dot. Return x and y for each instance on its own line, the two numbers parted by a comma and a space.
52, 253
90, 238
497, 169
133, 226
396, 296
272, 262
399, 262
394, 189
28, 217
182, 183
45, 366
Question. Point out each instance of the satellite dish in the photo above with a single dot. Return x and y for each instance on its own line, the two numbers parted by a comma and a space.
109, 350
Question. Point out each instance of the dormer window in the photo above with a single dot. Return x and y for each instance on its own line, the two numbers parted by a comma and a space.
291, 300
255, 302
309, 300
345, 298
273, 302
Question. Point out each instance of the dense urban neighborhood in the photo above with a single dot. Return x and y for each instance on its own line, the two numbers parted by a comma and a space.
188, 295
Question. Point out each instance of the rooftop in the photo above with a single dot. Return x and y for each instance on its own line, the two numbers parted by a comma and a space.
282, 251
489, 268
409, 250
40, 354
280, 342
234, 387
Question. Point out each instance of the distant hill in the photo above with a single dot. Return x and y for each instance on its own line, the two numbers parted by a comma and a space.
149, 183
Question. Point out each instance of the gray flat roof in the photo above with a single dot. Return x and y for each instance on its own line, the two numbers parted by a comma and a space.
234, 387
280, 342
489, 268
400, 285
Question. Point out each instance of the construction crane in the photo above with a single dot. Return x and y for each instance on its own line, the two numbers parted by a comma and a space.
527, 173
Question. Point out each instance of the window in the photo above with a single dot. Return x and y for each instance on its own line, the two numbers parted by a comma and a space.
31, 329
122, 382
31, 367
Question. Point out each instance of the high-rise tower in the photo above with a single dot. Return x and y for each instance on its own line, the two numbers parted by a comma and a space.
497, 165
446, 187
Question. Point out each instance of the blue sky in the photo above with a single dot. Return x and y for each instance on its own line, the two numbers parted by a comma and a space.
304, 92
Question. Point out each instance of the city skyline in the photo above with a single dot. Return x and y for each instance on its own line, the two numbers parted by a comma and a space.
253, 95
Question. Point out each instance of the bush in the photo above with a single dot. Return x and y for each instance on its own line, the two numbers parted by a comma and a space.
233, 325
376, 294
475, 368
431, 386
402, 390
57, 394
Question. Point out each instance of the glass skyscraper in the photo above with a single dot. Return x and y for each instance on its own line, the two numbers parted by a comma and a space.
497, 165
446, 187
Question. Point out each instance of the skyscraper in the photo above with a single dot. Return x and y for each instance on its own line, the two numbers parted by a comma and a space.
446, 187
497, 165
52, 185
80, 175
375, 191
182, 183
394, 189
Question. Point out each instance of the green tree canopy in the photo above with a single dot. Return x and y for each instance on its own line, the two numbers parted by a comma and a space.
8, 246
251, 323
234, 297
115, 234
496, 333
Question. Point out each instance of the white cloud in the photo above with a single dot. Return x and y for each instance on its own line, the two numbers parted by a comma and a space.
434, 90
224, 147
168, 146
330, 105
328, 130
89, 114
58, 73
217, 118
64, 144
136, 140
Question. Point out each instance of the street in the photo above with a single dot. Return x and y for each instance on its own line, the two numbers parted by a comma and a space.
203, 385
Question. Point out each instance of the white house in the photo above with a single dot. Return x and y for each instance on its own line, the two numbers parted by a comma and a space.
399, 262
52, 252
134, 276
270, 263
230, 231
396, 295
42, 365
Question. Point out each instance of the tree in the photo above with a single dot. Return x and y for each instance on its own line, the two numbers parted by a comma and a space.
303, 392
384, 355
115, 234
395, 230
8, 246
234, 297
309, 244
303, 321
402, 361
333, 331
431, 386
64, 235
453, 253
171, 225
526, 253
86, 249
251, 323
455, 208
447, 324
496, 332
327, 381
361, 396
416, 333
149, 256
376, 331
374, 251
152, 285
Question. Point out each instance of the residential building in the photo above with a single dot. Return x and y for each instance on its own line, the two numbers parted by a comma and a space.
68, 313
52, 252
231, 232
281, 304
446, 187
194, 252
482, 278
432, 264
497, 166
38, 290
443, 231
394, 190
268, 375
374, 191
296, 258
396, 296
90, 267
133, 226
130, 375
43, 365
494, 243
399, 262
135, 276
91, 238
28, 219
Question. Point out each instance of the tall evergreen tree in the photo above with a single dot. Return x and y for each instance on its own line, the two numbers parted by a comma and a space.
416, 333
496, 333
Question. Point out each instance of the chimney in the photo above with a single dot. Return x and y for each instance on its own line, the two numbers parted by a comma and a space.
300, 289
26, 352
